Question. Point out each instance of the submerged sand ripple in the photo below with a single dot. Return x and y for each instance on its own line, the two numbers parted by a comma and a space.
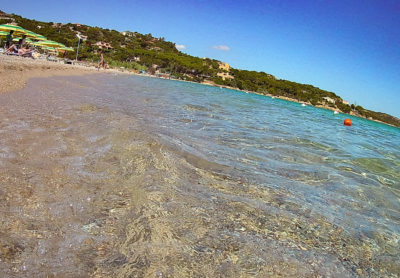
85, 191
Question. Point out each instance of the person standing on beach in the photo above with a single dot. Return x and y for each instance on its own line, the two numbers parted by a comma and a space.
9, 39
102, 63
21, 42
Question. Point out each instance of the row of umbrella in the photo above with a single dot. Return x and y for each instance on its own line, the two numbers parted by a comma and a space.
33, 38
18, 31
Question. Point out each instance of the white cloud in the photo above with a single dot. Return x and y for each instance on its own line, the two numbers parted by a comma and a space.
222, 47
180, 46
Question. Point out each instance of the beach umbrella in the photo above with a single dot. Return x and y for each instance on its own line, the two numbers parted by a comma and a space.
60, 45
31, 34
51, 43
26, 40
35, 36
49, 48
40, 37
3, 35
17, 30
21, 31
66, 49
37, 44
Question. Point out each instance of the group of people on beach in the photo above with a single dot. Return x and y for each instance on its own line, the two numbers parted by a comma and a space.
20, 48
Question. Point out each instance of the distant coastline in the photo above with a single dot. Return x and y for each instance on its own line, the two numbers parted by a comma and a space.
15, 72
266, 95
137, 53
297, 101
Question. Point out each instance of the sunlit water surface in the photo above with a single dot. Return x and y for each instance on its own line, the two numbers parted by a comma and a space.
143, 177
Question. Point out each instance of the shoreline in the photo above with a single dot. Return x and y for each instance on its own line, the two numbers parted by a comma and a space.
294, 100
16, 71
266, 95
280, 97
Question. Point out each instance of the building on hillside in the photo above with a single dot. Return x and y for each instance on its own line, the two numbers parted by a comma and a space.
224, 75
156, 48
13, 23
128, 34
205, 76
224, 66
345, 102
103, 45
83, 37
330, 100
6, 17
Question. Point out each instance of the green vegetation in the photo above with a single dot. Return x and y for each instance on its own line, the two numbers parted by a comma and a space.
135, 51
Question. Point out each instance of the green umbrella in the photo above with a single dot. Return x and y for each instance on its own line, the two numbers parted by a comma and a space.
60, 45
17, 30
35, 36
3, 34
37, 44
40, 38
51, 43
31, 34
21, 31
26, 40
49, 48
66, 49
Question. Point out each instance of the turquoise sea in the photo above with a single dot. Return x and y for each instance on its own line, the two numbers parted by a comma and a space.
139, 176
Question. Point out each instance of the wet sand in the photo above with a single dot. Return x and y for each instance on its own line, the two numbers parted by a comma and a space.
86, 191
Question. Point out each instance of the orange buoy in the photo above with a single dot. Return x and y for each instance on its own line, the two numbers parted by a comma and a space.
347, 122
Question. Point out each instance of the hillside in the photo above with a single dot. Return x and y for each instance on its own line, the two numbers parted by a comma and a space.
135, 51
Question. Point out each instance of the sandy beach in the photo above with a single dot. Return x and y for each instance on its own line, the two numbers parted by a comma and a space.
16, 71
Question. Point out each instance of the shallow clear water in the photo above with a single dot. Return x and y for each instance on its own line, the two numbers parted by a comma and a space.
160, 178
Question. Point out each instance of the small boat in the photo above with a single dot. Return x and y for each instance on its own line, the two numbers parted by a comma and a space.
303, 104
335, 112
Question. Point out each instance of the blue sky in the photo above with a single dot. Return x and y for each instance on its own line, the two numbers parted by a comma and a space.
349, 47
